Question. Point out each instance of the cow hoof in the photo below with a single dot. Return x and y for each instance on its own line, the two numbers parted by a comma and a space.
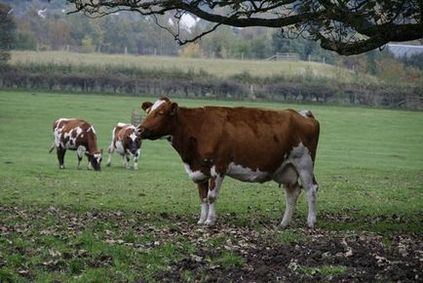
61, 167
201, 222
311, 225
311, 222
108, 164
209, 222
283, 225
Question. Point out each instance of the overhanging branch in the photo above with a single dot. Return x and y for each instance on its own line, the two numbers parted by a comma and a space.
345, 26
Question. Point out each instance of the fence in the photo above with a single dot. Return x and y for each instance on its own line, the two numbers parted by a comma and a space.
284, 56
414, 102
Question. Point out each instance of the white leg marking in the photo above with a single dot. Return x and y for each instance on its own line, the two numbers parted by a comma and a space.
310, 189
204, 211
291, 196
211, 216
125, 163
303, 163
80, 153
109, 160
311, 198
212, 196
136, 159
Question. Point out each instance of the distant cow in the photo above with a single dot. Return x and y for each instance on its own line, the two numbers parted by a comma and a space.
79, 135
127, 143
248, 144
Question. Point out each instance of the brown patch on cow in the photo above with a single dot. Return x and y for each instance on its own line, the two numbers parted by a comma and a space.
203, 189
212, 183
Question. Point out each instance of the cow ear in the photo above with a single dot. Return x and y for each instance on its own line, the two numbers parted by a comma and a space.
146, 106
173, 108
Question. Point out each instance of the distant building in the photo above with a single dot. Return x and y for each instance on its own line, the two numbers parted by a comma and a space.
404, 50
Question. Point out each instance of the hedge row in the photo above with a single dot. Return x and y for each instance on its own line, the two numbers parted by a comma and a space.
198, 85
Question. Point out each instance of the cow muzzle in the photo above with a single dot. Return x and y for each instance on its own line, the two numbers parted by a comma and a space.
145, 133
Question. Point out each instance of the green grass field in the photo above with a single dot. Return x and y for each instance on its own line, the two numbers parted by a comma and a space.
85, 226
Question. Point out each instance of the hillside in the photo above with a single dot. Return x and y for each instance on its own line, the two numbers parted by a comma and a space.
290, 81
222, 68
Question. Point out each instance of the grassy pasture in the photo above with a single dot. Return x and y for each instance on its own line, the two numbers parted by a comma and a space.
218, 67
369, 167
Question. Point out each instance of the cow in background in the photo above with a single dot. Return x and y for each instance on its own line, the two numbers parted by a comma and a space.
248, 144
79, 135
127, 143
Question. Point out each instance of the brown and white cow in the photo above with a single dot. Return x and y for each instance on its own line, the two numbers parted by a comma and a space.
248, 144
79, 135
127, 143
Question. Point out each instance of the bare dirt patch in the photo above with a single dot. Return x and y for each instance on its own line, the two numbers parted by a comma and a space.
223, 253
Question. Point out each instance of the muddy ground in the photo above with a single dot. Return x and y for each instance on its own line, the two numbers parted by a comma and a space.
262, 253
364, 257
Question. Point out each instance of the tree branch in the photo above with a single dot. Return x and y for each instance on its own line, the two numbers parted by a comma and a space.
345, 26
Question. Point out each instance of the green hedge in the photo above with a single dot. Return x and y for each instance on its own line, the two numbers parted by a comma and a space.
156, 82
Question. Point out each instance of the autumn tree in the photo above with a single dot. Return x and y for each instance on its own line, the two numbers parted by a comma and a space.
345, 26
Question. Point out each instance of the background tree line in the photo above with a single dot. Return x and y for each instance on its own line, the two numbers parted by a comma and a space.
39, 25
42, 25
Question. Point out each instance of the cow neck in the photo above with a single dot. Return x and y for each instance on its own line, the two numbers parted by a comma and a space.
183, 131
92, 143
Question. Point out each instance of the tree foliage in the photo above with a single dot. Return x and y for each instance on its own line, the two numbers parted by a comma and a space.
345, 26
7, 32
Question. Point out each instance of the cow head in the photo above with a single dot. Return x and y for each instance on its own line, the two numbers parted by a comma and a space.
95, 159
159, 119
132, 141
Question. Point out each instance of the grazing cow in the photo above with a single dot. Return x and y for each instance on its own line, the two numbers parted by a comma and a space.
79, 135
248, 144
127, 142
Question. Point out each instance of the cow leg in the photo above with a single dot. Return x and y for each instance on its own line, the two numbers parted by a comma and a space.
61, 157
202, 191
89, 165
79, 161
127, 159
310, 187
291, 195
215, 183
303, 164
109, 160
136, 157
80, 154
